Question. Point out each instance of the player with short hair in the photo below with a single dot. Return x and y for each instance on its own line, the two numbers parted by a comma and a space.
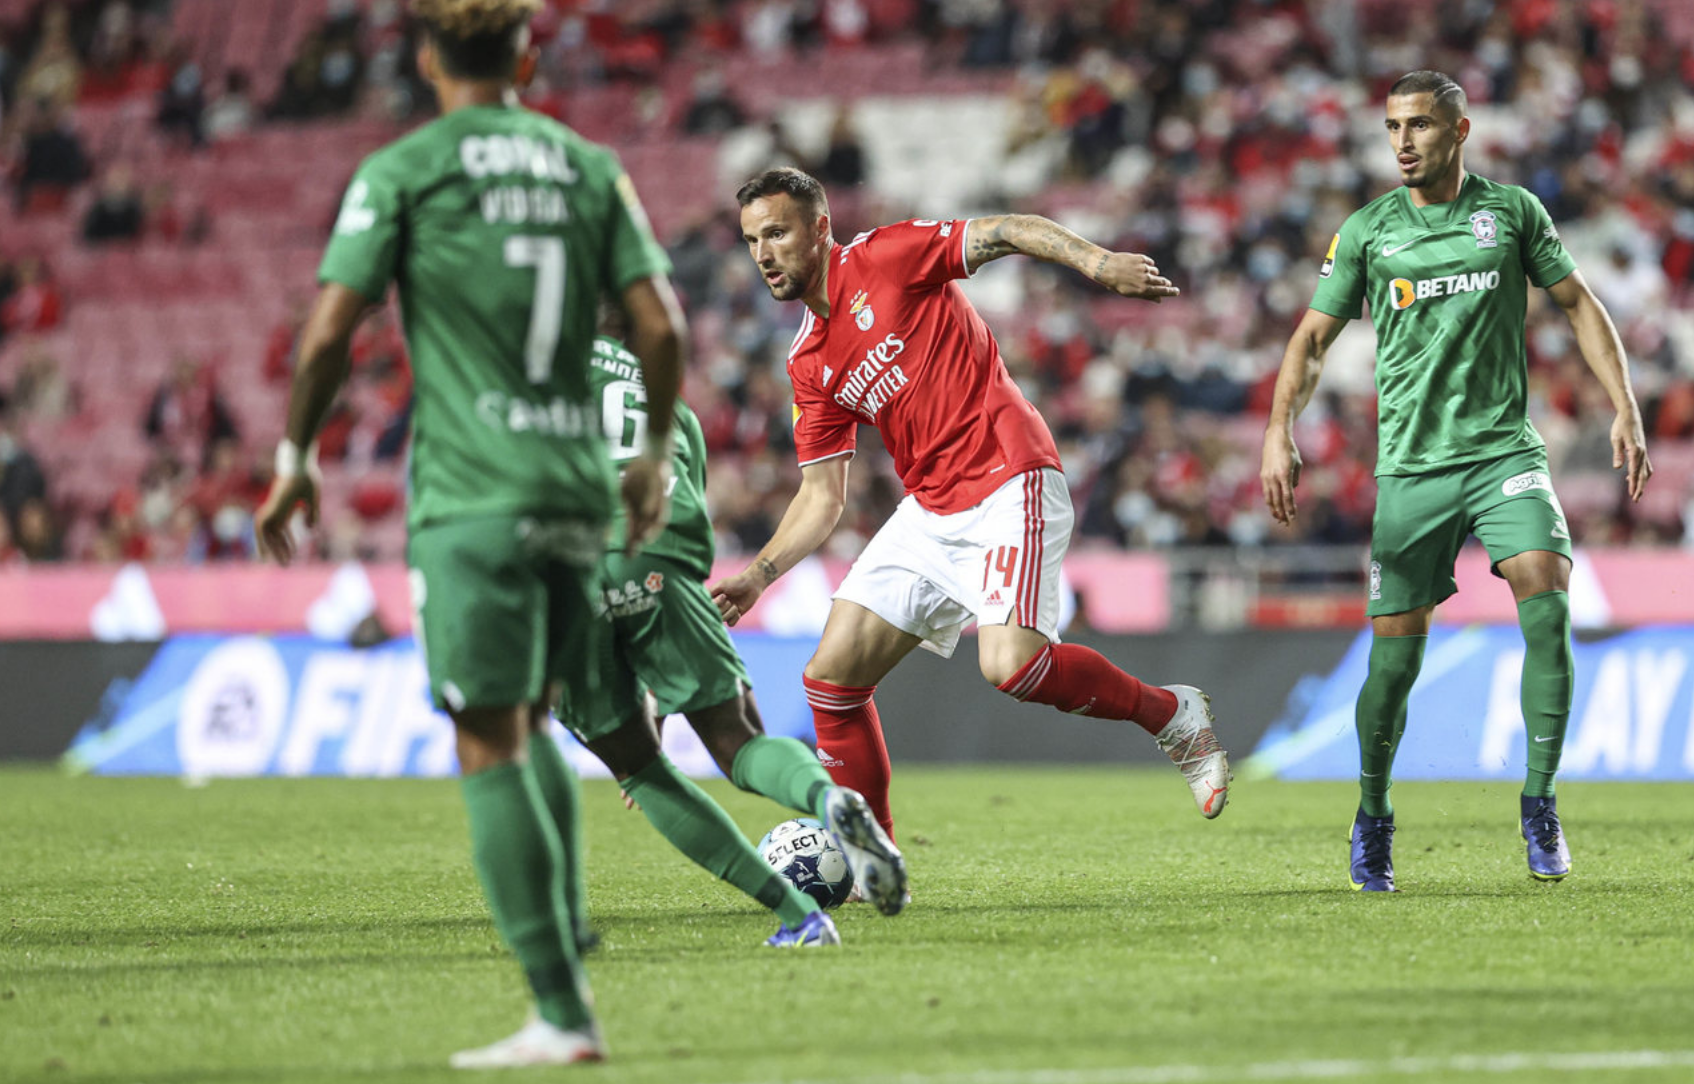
503, 230
1444, 260
667, 639
888, 339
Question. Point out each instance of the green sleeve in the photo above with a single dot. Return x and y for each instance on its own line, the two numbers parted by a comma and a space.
1341, 279
364, 249
635, 253
1545, 260
689, 431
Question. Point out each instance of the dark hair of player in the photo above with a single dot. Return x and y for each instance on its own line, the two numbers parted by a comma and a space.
476, 39
1449, 95
798, 185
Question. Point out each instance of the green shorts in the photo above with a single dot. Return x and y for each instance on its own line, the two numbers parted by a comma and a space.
1422, 521
667, 638
501, 605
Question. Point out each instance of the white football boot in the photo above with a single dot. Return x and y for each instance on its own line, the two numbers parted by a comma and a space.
536, 1043
876, 863
1191, 744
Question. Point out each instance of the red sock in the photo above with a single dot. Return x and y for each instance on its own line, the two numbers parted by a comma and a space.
1082, 681
850, 744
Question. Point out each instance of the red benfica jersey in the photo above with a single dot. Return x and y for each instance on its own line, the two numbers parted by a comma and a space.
903, 350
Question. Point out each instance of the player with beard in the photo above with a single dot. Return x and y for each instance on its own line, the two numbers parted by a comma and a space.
1444, 261
889, 339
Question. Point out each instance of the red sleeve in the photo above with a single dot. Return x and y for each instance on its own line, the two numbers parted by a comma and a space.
822, 429
920, 253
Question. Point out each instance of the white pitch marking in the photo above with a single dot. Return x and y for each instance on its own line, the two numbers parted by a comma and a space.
1616, 1060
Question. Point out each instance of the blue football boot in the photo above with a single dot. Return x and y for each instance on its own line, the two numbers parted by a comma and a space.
1549, 858
817, 930
1373, 860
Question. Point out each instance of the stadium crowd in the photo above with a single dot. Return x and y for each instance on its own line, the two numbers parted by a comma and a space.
1227, 138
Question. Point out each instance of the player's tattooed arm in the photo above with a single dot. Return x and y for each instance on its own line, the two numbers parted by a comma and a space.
766, 570
1126, 273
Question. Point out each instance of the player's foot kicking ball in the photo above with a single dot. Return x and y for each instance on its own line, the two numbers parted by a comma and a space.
536, 1043
1372, 867
871, 855
1549, 858
1188, 739
816, 931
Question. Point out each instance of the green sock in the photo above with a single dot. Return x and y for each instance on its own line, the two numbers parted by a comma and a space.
1549, 675
559, 792
1380, 716
783, 770
700, 829
518, 855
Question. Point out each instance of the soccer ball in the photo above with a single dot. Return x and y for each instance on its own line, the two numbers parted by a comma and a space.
805, 856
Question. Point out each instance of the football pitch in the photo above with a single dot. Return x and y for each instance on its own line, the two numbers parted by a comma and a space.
1068, 926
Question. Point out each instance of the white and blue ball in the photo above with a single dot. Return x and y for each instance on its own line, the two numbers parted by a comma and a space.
803, 854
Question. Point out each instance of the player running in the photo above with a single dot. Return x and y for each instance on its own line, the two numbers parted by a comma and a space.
503, 230
888, 339
667, 638
1443, 261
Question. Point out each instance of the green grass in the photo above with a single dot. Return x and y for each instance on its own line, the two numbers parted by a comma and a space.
1083, 922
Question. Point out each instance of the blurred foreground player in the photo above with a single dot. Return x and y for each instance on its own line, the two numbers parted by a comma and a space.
503, 229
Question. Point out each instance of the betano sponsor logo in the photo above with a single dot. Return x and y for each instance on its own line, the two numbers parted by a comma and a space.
1403, 292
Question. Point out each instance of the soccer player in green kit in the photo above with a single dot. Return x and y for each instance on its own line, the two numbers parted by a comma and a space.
667, 638
1444, 261
503, 230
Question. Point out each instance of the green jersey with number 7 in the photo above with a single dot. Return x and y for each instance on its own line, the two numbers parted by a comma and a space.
504, 229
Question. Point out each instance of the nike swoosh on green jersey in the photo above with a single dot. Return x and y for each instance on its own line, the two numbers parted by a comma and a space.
1386, 251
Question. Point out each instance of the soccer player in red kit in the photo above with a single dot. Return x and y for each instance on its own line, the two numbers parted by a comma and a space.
889, 339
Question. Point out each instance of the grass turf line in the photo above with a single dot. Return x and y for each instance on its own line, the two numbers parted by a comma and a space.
1086, 923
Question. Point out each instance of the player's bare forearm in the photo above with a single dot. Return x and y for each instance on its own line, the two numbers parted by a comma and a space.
324, 359
811, 516
1128, 274
1598, 340
1031, 235
1302, 366
658, 337
1602, 348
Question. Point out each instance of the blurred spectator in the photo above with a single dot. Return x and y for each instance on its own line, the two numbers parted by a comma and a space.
712, 110
182, 103
10, 555
231, 113
53, 74
188, 416
843, 162
116, 213
21, 478
123, 534
224, 498
52, 160
38, 535
41, 390
33, 302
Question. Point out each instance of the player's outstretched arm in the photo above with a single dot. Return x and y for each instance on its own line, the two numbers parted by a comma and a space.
1597, 338
1128, 274
657, 336
812, 514
1302, 364
322, 366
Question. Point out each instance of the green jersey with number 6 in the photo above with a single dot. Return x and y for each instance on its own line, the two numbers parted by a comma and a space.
1447, 292
615, 375
503, 229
